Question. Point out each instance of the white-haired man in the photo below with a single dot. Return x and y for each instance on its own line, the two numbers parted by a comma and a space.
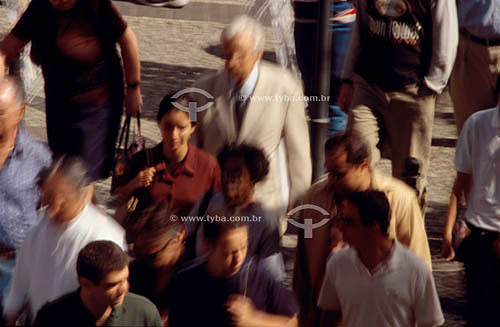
257, 103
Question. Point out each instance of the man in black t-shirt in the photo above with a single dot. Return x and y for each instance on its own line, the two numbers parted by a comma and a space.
222, 291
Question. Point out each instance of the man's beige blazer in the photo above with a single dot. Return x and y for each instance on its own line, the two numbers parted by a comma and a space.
265, 123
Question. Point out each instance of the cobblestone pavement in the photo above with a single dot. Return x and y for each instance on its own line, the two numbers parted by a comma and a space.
174, 52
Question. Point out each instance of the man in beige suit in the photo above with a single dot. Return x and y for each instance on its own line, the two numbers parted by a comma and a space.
257, 103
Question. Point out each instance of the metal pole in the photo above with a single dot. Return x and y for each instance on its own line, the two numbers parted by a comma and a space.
319, 109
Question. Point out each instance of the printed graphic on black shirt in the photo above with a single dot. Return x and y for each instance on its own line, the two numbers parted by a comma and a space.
394, 21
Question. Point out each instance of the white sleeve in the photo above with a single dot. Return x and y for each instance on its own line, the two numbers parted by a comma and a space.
328, 299
463, 151
18, 292
444, 44
427, 308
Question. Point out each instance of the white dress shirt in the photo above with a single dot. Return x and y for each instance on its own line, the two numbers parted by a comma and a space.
478, 153
46, 263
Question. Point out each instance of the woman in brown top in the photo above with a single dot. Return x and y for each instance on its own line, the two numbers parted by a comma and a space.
175, 172
74, 41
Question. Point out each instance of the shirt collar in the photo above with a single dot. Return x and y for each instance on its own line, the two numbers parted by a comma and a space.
390, 263
248, 86
496, 118
188, 165
19, 144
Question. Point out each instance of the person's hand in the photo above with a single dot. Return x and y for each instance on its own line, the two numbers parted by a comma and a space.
345, 97
145, 177
447, 251
241, 309
133, 101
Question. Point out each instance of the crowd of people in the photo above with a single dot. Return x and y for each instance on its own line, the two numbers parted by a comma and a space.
234, 170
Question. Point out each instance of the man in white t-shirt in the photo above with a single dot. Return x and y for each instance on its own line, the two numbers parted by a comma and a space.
377, 281
477, 162
45, 267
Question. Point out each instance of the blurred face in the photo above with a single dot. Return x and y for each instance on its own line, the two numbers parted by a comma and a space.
62, 5
353, 231
237, 185
228, 254
160, 252
10, 115
176, 129
344, 176
111, 290
240, 57
62, 199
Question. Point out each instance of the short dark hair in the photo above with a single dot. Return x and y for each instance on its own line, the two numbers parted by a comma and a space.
154, 223
253, 157
99, 258
373, 208
73, 168
213, 230
166, 105
357, 151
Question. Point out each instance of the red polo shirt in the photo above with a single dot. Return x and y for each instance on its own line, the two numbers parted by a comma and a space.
196, 175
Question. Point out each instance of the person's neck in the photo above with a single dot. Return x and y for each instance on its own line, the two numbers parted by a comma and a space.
101, 314
365, 180
175, 156
71, 215
373, 252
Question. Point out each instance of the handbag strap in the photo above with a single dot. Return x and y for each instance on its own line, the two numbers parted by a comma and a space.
138, 117
125, 129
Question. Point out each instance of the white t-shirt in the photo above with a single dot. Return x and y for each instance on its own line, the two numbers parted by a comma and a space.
46, 263
400, 293
478, 153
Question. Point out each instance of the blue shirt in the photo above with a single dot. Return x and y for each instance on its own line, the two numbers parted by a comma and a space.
480, 17
247, 88
19, 194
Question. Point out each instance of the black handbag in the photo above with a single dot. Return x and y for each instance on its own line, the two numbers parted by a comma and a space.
124, 151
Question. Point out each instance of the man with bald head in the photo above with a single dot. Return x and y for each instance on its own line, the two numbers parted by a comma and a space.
260, 104
21, 159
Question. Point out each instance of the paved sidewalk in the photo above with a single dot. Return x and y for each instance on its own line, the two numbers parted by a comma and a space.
174, 52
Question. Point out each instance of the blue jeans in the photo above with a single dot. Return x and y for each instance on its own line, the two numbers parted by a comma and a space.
341, 36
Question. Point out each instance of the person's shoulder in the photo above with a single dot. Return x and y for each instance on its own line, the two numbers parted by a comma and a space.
394, 188
36, 150
318, 186
410, 261
481, 117
203, 157
276, 72
207, 80
62, 304
103, 223
343, 259
139, 302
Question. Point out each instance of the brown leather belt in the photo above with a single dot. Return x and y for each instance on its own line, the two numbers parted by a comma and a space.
479, 40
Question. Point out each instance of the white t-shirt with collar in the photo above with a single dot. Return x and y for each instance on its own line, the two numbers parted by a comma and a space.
400, 293
478, 153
